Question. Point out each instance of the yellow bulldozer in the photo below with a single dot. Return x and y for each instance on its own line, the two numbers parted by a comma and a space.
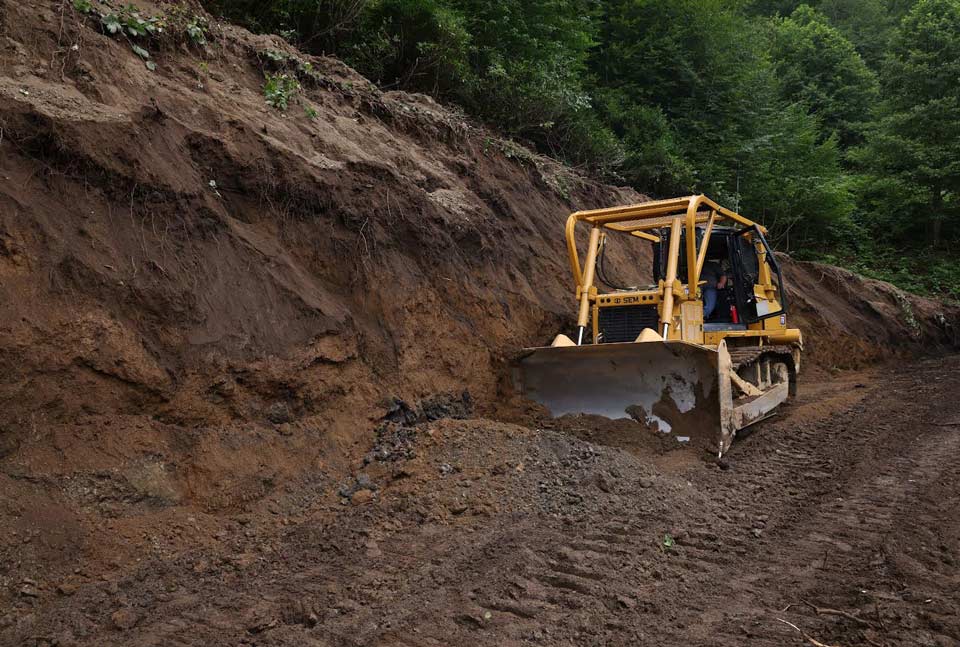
649, 352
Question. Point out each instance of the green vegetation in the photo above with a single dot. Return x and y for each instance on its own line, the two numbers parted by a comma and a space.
140, 29
196, 29
834, 122
279, 89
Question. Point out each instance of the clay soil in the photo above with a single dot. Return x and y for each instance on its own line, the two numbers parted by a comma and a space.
255, 388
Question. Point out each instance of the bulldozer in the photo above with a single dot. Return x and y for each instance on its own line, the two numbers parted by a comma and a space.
648, 352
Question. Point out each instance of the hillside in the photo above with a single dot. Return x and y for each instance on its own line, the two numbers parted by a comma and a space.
209, 307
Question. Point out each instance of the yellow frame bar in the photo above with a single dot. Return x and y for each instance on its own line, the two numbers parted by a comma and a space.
702, 256
637, 220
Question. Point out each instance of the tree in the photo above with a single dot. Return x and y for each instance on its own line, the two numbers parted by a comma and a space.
914, 152
791, 179
817, 66
688, 87
529, 61
693, 62
868, 24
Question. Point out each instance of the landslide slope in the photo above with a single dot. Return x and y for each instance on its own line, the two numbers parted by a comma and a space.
176, 250
206, 301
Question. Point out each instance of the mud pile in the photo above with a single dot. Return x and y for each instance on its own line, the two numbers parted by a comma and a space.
206, 301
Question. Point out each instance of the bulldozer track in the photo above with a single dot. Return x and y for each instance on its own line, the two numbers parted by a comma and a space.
742, 356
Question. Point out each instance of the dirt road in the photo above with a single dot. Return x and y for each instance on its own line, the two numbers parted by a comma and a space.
471, 532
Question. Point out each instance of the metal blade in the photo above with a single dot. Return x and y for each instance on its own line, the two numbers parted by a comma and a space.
670, 384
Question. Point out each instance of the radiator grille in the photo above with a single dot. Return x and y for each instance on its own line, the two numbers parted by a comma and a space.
625, 323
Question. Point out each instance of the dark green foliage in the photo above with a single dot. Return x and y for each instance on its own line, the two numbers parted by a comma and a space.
688, 87
868, 24
414, 44
912, 159
818, 66
834, 122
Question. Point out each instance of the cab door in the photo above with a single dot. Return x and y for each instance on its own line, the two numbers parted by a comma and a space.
746, 262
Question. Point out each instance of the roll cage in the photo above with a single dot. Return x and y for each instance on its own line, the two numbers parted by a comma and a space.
681, 217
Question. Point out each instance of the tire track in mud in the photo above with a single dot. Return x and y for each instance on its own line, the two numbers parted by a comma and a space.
826, 477
601, 568
873, 461
814, 487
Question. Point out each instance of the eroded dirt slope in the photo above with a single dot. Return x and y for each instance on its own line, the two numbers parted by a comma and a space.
207, 308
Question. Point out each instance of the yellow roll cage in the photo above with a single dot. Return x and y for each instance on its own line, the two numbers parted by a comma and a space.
638, 220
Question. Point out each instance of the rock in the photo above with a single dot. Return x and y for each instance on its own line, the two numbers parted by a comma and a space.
346, 605
645, 482
8, 444
66, 588
603, 483
373, 549
361, 482
29, 590
361, 496
124, 619
153, 481
626, 602
243, 560
279, 413
465, 618
259, 626
300, 612
757, 532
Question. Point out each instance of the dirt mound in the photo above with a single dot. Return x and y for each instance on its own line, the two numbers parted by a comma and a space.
849, 320
211, 307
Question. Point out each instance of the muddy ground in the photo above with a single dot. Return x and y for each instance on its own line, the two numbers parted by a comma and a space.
838, 517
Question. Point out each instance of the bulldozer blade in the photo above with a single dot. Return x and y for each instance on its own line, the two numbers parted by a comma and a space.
673, 385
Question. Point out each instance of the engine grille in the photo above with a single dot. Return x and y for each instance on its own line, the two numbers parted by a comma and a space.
625, 323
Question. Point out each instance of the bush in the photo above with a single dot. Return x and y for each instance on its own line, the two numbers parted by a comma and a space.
279, 89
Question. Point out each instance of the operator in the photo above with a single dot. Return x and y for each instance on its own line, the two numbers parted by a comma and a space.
716, 279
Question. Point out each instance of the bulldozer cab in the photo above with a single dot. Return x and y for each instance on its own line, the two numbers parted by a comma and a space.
735, 252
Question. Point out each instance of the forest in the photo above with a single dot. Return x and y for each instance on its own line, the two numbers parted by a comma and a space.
836, 123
